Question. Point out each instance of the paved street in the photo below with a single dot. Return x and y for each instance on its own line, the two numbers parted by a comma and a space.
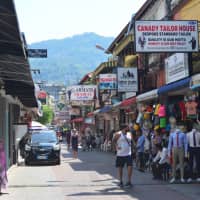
92, 176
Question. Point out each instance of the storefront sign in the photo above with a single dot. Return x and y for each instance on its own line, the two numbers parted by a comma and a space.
107, 81
82, 93
127, 79
166, 36
195, 82
37, 53
176, 67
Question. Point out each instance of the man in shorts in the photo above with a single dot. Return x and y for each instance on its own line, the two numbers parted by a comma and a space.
122, 141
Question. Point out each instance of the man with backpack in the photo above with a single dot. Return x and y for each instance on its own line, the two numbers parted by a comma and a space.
122, 142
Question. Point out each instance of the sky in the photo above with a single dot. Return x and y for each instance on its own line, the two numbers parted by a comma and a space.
55, 19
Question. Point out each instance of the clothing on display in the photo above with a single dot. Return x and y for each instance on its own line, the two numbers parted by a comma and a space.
191, 109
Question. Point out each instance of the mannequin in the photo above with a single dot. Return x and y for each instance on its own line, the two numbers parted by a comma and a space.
177, 147
193, 137
172, 122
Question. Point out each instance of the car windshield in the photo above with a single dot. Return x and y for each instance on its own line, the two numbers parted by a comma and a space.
44, 137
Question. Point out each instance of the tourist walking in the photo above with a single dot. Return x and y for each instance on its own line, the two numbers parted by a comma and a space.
74, 143
122, 141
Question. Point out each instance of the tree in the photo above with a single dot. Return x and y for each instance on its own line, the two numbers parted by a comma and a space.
47, 116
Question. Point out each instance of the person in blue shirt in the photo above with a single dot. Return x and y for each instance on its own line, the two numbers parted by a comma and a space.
178, 147
140, 149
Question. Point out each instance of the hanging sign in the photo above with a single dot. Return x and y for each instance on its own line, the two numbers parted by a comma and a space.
166, 36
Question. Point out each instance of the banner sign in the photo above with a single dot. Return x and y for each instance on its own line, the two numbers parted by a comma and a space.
127, 79
107, 81
176, 67
82, 93
37, 53
166, 36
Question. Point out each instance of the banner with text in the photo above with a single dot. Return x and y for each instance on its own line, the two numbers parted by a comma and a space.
127, 79
107, 82
82, 93
166, 36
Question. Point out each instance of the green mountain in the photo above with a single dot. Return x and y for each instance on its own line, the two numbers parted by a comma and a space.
69, 59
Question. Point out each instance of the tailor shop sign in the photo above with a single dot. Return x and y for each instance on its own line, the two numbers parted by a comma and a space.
82, 93
166, 36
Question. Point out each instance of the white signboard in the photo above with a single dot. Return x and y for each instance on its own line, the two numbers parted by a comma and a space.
107, 81
176, 67
82, 93
166, 36
127, 79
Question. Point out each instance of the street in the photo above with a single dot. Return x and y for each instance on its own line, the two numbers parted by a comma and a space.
91, 176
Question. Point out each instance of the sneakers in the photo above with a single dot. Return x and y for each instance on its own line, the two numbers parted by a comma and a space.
182, 180
189, 180
172, 180
121, 184
128, 185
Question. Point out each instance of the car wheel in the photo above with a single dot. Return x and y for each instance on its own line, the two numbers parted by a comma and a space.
58, 162
27, 162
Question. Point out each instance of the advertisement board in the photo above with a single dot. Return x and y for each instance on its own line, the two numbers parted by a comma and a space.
176, 67
127, 79
166, 36
82, 93
107, 81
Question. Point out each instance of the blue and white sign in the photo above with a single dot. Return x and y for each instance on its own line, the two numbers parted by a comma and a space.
127, 79
107, 81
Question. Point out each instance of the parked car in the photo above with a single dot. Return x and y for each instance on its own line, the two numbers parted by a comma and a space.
42, 147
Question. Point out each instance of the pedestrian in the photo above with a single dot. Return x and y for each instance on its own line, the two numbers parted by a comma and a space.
122, 141
140, 149
3, 175
74, 142
68, 138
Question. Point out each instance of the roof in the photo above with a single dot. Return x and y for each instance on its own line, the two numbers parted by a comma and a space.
86, 77
143, 8
117, 39
14, 66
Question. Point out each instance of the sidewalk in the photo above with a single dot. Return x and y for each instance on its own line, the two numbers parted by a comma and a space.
92, 176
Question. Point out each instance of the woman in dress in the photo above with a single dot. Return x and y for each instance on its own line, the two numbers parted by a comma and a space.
3, 175
74, 142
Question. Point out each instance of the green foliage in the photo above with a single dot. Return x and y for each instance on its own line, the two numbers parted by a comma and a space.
69, 59
47, 115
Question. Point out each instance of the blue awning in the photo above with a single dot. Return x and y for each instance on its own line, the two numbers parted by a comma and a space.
174, 86
105, 109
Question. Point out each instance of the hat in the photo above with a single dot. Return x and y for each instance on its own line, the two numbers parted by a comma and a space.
136, 127
157, 127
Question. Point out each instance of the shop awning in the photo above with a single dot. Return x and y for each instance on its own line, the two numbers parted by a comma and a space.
96, 111
14, 66
153, 94
195, 82
174, 86
77, 120
105, 109
90, 114
128, 102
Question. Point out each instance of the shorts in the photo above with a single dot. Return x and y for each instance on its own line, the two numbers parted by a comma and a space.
122, 160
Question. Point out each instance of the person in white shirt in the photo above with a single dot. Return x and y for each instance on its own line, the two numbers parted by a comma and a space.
193, 137
122, 141
160, 161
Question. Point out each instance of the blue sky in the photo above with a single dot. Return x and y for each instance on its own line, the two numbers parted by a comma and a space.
54, 19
